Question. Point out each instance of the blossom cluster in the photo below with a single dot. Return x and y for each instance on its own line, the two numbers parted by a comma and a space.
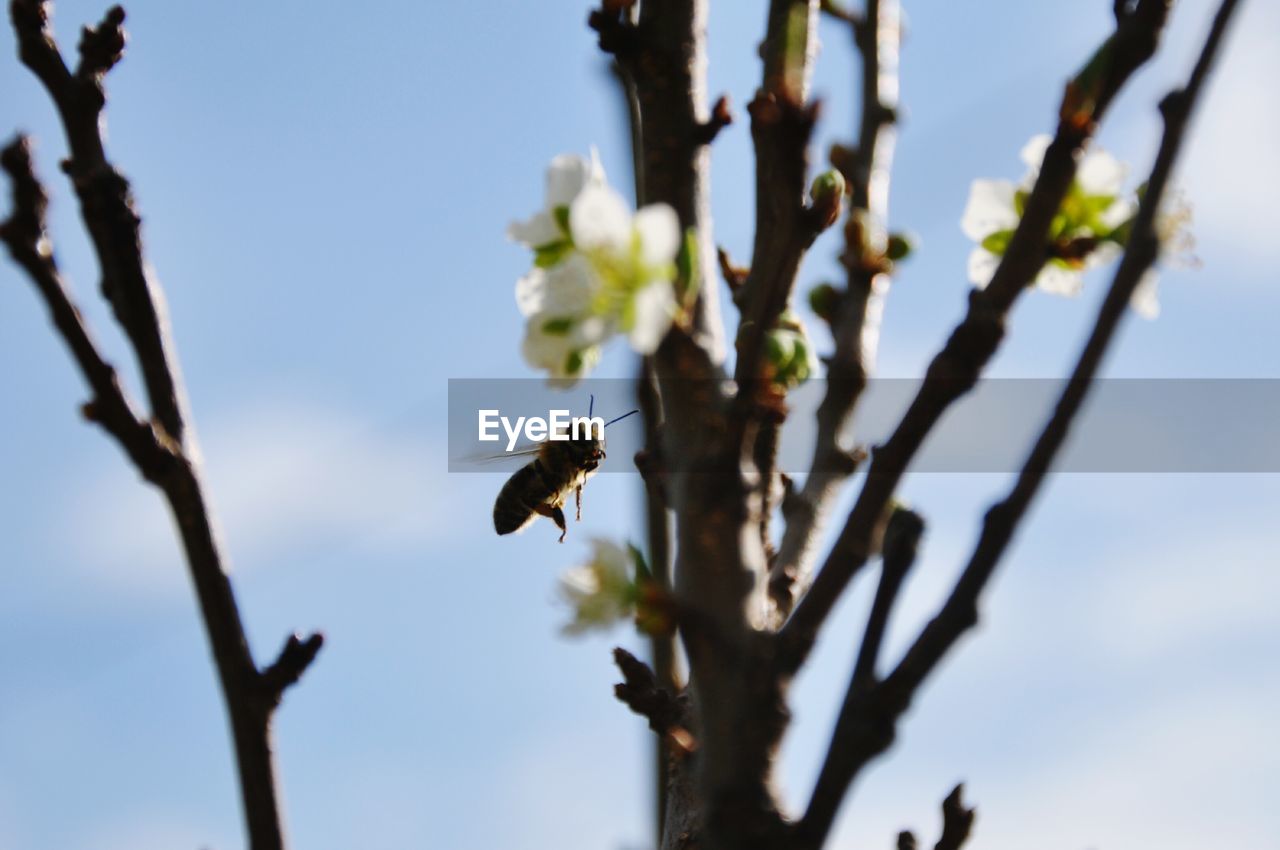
1090, 229
613, 586
598, 270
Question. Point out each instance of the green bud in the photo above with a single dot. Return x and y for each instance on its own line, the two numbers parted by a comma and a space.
827, 192
824, 300
901, 245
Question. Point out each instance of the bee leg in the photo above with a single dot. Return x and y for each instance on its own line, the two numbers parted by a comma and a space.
555, 515
578, 500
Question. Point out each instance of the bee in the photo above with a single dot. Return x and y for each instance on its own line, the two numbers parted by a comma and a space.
540, 487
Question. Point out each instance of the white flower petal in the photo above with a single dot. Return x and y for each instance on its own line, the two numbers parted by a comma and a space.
1118, 213
569, 287
600, 218
1144, 301
654, 309
659, 232
1100, 173
541, 229
600, 592
1105, 254
1033, 155
982, 265
542, 350
1057, 280
531, 291
989, 209
568, 175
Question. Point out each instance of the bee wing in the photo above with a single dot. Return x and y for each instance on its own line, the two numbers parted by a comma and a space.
524, 450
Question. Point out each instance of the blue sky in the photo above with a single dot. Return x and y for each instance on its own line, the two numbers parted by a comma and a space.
325, 192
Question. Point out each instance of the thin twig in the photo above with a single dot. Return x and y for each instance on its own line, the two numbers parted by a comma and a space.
867, 726
901, 541
24, 234
956, 368
957, 821
877, 37
106, 203
163, 448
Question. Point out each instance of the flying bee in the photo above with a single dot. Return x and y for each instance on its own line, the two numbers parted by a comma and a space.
540, 487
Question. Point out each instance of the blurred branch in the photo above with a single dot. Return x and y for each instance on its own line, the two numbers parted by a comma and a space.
718, 559
642, 692
648, 461
956, 368
867, 723
877, 36
957, 821
782, 121
163, 449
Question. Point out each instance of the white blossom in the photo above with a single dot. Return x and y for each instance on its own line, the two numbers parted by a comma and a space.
599, 270
567, 176
600, 592
1173, 232
1090, 215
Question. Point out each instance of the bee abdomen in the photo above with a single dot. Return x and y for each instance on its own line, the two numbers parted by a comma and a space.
519, 498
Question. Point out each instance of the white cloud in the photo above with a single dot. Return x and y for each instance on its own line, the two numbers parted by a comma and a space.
281, 478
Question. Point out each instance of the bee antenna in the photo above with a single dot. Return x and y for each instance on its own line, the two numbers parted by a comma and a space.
591, 406
618, 419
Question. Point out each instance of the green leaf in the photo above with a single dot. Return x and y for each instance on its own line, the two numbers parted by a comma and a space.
642, 569
573, 363
558, 326
998, 242
546, 256
561, 215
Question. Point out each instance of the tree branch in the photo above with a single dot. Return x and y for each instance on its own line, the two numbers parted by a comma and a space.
866, 725
295, 657
106, 203
162, 449
718, 559
877, 37
957, 821
956, 368
782, 121
24, 232
901, 541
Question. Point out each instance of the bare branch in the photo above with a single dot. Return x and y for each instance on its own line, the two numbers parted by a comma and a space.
782, 122
641, 692
295, 657
956, 368
957, 821
721, 117
106, 203
162, 449
960, 612
859, 715
901, 540
24, 234
867, 721
856, 325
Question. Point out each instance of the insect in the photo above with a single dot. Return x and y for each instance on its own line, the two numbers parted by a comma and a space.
540, 487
